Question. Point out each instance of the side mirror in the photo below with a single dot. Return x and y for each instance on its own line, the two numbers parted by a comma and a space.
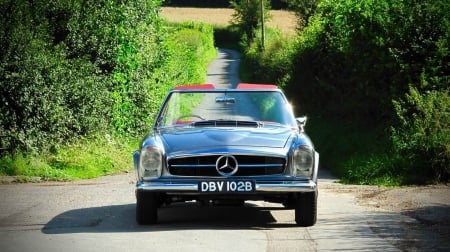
301, 122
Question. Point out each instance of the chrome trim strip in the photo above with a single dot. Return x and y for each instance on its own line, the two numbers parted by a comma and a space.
193, 165
260, 187
260, 165
214, 165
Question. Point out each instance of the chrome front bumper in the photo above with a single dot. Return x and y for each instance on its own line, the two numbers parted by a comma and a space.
284, 186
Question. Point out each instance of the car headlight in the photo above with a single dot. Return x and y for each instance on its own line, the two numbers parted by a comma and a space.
150, 162
303, 161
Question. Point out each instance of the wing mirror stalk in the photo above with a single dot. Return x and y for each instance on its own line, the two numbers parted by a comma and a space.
301, 122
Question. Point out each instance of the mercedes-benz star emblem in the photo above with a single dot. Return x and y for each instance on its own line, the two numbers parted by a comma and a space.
227, 165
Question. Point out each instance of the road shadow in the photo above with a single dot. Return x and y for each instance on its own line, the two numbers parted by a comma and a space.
121, 218
190, 215
431, 215
427, 229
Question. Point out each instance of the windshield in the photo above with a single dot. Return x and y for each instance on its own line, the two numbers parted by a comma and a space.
213, 108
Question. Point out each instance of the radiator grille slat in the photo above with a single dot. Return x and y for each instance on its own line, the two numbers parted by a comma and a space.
206, 165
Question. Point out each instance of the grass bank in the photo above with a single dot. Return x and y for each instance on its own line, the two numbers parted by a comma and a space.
83, 159
187, 49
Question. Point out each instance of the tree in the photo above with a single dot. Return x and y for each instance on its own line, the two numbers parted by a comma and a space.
248, 17
303, 9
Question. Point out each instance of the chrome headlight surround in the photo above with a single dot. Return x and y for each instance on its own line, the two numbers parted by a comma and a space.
303, 161
150, 162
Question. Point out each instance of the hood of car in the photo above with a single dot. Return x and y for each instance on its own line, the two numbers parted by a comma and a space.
190, 139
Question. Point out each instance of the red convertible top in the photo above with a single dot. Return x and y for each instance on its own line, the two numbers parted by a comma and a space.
256, 86
198, 86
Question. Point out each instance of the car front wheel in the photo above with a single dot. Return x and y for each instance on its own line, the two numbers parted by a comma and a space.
146, 207
306, 209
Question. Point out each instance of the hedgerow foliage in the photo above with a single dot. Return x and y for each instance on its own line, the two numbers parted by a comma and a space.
304, 9
357, 57
78, 68
247, 17
422, 138
373, 65
360, 55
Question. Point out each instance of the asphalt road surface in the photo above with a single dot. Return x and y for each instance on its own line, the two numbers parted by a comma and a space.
99, 215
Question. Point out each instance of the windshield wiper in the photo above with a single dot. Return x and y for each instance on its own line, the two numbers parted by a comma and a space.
227, 123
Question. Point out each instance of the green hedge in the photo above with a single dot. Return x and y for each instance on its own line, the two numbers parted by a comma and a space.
82, 81
422, 138
356, 57
75, 69
352, 68
360, 55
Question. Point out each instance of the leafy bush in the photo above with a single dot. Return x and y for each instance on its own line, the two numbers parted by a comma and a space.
77, 68
348, 65
46, 99
355, 57
128, 49
274, 63
422, 140
192, 48
74, 70
304, 9
248, 17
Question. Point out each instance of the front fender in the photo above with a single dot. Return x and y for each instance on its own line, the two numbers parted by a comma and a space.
136, 163
316, 166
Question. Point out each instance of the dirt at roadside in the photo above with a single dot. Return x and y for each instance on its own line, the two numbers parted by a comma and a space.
426, 211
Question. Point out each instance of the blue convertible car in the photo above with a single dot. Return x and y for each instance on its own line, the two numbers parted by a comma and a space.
227, 145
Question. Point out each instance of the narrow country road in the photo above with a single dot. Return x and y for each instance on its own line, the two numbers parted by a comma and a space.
224, 71
99, 215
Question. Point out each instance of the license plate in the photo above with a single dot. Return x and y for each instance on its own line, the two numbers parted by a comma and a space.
225, 186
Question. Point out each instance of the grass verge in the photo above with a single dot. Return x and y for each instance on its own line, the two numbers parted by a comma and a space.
85, 159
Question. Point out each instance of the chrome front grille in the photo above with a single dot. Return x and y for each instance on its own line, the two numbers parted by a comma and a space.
206, 165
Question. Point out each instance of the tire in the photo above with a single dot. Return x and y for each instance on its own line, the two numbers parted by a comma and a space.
306, 209
290, 202
146, 207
